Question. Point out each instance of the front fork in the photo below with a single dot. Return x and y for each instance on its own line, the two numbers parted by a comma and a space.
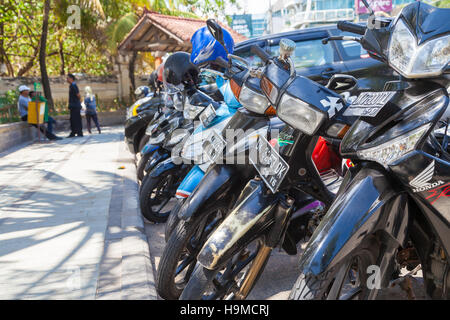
273, 237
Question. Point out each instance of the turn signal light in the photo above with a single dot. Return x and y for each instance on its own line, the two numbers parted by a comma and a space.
269, 89
270, 111
235, 88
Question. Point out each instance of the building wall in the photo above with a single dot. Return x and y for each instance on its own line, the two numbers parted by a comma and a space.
105, 87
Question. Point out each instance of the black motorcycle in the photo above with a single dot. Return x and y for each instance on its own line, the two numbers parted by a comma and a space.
140, 114
393, 207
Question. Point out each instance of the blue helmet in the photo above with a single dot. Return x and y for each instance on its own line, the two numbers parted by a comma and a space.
206, 49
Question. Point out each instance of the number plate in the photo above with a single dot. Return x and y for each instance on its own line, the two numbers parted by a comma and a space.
269, 164
208, 115
213, 146
368, 104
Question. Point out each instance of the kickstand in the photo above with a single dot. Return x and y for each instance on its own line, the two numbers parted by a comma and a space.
405, 283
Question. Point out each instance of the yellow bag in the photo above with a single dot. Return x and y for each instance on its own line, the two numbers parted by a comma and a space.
32, 112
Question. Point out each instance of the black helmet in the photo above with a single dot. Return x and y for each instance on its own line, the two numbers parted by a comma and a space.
179, 71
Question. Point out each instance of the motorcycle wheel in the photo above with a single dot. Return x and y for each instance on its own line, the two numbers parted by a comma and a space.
143, 142
154, 196
179, 257
173, 220
224, 283
141, 166
348, 281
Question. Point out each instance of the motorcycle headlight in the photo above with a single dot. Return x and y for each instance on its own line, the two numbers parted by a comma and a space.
178, 101
414, 61
176, 137
393, 150
151, 129
190, 111
300, 115
253, 101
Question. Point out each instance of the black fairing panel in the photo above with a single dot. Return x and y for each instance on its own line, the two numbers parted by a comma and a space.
366, 204
364, 135
214, 179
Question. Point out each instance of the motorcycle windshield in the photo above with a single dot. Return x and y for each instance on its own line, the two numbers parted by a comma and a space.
228, 95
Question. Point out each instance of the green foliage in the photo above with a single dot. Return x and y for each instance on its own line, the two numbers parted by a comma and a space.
442, 4
91, 50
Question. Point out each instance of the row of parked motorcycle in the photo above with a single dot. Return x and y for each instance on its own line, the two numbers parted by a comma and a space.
239, 160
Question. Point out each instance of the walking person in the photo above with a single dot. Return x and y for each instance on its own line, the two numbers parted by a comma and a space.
91, 109
76, 125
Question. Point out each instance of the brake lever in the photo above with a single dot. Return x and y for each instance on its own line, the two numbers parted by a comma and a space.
345, 38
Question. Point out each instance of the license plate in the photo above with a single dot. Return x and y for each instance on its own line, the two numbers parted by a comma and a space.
269, 164
208, 115
213, 146
368, 104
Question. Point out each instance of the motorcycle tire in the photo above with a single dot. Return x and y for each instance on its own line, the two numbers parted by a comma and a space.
321, 287
177, 246
173, 220
150, 186
143, 142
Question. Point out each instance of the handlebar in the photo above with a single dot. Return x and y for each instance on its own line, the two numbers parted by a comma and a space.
221, 62
346, 38
263, 55
351, 27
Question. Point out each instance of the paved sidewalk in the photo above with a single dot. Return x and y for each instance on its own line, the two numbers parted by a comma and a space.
70, 226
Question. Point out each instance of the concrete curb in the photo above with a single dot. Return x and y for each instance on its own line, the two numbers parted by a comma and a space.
125, 270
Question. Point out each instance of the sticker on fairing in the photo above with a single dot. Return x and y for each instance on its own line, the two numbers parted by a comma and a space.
368, 104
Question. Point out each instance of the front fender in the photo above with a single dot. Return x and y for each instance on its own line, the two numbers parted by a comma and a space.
164, 167
214, 179
367, 204
148, 148
157, 156
251, 214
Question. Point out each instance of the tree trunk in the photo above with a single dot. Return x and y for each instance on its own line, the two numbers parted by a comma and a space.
131, 66
42, 56
61, 55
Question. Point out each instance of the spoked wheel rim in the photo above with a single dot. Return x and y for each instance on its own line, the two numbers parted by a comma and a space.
228, 281
187, 259
350, 281
161, 195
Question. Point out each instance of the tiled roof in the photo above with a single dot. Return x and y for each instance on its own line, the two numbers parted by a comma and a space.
184, 28
176, 28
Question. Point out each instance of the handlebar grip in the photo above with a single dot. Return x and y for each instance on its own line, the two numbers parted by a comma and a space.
221, 62
263, 55
351, 27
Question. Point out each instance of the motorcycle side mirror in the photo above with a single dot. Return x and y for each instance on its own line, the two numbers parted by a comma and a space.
216, 30
366, 4
342, 82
